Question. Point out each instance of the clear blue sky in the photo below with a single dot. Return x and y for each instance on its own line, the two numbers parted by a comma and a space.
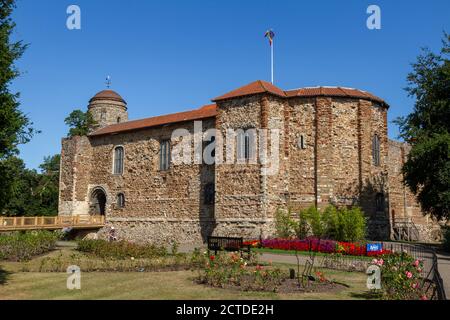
170, 56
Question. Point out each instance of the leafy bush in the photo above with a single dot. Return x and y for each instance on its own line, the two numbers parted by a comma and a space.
22, 246
401, 276
316, 222
339, 224
353, 225
301, 225
120, 249
284, 224
332, 221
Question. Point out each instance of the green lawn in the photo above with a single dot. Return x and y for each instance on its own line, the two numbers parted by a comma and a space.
15, 284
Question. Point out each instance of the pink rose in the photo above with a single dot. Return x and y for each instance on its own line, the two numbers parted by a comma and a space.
409, 274
380, 262
416, 263
424, 297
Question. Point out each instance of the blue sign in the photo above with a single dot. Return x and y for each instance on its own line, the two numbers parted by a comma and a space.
374, 247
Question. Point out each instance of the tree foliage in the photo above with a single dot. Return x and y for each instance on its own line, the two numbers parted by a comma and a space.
427, 169
79, 123
31, 193
15, 127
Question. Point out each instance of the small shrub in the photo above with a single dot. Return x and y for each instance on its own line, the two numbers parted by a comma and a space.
120, 249
302, 226
330, 218
354, 228
314, 217
22, 246
284, 225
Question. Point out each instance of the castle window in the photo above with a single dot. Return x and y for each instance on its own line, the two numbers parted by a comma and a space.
118, 160
376, 150
164, 155
118, 119
301, 142
245, 144
209, 194
120, 200
103, 115
379, 202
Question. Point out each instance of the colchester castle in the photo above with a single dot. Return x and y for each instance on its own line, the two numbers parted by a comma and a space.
332, 147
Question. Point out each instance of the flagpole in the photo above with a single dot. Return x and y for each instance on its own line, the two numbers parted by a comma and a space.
271, 61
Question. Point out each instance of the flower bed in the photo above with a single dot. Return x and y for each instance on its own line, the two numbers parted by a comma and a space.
230, 271
324, 246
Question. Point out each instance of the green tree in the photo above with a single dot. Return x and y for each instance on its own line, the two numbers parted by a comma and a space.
15, 127
427, 169
32, 193
79, 123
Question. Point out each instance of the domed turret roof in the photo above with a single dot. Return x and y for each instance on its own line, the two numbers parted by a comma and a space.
107, 95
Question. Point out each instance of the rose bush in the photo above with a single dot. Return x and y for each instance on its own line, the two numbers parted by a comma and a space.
401, 276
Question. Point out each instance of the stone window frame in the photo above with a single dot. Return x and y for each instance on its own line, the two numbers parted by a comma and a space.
301, 142
376, 150
164, 155
120, 200
248, 153
114, 172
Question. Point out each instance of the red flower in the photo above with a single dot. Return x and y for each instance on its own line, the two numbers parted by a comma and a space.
212, 258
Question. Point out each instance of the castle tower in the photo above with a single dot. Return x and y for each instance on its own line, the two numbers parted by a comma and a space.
107, 107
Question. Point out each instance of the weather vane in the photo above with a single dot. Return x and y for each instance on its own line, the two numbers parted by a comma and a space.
108, 81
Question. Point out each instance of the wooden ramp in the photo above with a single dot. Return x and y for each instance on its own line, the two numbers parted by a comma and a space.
51, 223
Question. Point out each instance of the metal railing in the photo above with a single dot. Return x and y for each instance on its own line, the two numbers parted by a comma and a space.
56, 222
405, 229
431, 279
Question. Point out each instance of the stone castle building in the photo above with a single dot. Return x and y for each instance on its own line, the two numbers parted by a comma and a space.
332, 147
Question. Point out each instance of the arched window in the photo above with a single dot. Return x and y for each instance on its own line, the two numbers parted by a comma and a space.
118, 160
376, 150
120, 200
209, 194
164, 155
246, 141
301, 142
118, 119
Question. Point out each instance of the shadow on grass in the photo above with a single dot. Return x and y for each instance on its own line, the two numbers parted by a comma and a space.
368, 295
4, 276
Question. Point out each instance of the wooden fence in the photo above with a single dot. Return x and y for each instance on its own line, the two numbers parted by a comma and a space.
57, 222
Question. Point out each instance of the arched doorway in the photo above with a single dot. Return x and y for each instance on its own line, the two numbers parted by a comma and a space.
98, 202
